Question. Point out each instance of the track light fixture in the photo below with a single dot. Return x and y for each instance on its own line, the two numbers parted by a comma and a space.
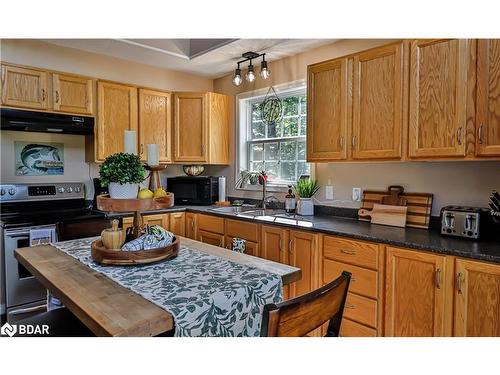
250, 75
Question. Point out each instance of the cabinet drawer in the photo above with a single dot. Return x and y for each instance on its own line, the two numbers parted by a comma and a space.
212, 224
348, 328
211, 238
361, 309
241, 229
363, 281
359, 253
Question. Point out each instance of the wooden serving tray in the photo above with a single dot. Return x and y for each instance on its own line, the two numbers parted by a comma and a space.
129, 258
105, 203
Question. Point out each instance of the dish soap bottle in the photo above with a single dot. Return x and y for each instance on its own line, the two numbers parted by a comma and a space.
290, 201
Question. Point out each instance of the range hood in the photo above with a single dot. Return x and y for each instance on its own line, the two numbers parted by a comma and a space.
30, 121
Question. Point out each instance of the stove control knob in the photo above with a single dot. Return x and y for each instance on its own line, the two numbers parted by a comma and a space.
2, 192
12, 191
78, 189
70, 190
60, 190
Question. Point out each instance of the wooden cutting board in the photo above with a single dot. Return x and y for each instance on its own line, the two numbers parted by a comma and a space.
387, 215
419, 206
394, 198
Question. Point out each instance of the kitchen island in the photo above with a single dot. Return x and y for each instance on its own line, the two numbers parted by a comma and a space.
109, 309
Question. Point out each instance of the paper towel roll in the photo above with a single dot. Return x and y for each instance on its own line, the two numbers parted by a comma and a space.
222, 189
130, 142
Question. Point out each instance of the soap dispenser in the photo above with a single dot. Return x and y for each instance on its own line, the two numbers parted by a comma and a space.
290, 201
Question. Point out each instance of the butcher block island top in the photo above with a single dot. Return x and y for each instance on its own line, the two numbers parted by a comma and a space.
109, 309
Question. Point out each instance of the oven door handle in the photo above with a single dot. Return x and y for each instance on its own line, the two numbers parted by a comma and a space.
28, 309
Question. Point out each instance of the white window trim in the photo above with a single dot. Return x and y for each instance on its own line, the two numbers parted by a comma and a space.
242, 101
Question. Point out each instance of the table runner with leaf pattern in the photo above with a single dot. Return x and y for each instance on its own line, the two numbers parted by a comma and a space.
207, 295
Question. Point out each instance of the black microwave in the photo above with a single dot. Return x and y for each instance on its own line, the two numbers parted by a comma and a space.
194, 190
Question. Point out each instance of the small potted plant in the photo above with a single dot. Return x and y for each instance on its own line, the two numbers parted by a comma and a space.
306, 188
122, 173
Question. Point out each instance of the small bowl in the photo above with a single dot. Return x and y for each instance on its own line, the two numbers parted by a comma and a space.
193, 170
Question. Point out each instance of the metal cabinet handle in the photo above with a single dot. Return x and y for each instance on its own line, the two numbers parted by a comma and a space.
348, 252
341, 143
57, 96
438, 278
281, 244
353, 141
192, 225
480, 134
43, 95
290, 246
459, 135
459, 282
141, 151
349, 306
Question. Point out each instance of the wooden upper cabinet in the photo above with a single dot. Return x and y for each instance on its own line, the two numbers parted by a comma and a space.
22, 87
72, 94
477, 299
488, 97
155, 123
201, 128
438, 90
327, 110
117, 112
304, 254
417, 294
379, 88
191, 127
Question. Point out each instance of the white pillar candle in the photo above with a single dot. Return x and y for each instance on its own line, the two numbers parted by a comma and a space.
222, 189
130, 142
152, 150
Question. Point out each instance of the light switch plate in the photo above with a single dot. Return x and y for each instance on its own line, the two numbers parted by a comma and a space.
329, 192
356, 194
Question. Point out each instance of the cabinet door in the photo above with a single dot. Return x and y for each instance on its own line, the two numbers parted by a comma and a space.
327, 106
155, 123
438, 82
117, 112
22, 87
72, 94
162, 220
477, 299
190, 127
488, 97
178, 223
378, 103
211, 238
274, 244
191, 225
303, 254
416, 291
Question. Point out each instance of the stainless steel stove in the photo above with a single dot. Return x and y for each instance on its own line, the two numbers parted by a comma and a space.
33, 214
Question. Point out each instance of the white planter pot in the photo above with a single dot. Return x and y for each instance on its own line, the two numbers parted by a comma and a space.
123, 191
305, 207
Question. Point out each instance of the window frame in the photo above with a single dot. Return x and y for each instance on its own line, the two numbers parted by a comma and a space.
244, 129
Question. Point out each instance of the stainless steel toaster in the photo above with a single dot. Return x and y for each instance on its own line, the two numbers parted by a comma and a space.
463, 221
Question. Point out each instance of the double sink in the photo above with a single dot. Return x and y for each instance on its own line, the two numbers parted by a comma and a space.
270, 215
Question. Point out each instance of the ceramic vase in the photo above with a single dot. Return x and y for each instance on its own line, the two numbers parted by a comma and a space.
305, 207
123, 191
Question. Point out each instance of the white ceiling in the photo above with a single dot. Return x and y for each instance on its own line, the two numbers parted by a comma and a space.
206, 57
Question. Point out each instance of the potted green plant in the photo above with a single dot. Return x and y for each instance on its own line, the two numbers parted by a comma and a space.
122, 173
305, 189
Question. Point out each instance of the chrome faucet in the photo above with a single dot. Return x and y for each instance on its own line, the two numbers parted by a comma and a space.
246, 176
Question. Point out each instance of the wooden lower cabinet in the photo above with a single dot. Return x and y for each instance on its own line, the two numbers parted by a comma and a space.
244, 230
350, 328
304, 254
252, 248
177, 223
273, 242
160, 219
418, 293
477, 299
191, 225
211, 238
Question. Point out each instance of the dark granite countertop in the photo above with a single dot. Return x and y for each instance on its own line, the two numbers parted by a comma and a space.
420, 239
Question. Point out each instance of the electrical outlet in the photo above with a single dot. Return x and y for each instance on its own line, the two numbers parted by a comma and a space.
329, 192
356, 194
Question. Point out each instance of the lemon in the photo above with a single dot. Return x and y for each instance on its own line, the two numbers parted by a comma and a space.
145, 194
160, 193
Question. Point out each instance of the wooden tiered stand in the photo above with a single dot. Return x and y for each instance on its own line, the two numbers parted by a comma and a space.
119, 257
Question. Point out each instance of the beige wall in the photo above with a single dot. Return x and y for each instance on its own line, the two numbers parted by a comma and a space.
45, 55
451, 182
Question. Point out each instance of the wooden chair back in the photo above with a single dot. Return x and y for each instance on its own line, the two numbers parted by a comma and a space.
299, 316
